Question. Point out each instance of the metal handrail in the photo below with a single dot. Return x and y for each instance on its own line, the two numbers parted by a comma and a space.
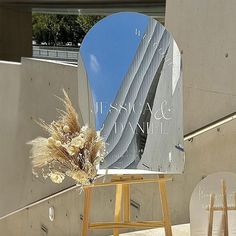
40, 201
210, 126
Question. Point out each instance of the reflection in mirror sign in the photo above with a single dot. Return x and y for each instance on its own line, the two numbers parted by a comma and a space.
135, 81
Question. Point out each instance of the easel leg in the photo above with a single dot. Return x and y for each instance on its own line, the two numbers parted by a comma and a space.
165, 209
87, 205
211, 214
126, 190
118, 207
225, 209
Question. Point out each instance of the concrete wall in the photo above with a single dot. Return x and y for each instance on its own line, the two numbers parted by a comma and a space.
204, 32
15, 33
27, 92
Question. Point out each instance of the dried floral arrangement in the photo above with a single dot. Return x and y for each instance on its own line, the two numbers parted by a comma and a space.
70, 150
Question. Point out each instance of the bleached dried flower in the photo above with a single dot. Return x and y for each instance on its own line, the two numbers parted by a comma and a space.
70, 150
78, 176
58, 143
66, 128
51, 140
78, 142
98, 134
56, 177
84, 128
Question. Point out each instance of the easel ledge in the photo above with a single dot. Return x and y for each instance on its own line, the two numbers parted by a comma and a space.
122, 183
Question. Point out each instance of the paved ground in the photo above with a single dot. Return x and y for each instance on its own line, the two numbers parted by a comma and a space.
178, 230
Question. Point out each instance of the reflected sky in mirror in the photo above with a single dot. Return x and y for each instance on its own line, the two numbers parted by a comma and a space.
107, 52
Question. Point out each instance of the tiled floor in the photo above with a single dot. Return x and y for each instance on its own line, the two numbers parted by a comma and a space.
178, 230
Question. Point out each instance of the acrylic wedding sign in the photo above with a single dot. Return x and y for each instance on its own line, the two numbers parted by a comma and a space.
200, 201
133, 68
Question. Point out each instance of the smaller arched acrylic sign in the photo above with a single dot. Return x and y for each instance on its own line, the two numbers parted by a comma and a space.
131, 66
200, 201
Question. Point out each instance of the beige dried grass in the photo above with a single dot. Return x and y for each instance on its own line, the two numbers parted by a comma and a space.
70, 150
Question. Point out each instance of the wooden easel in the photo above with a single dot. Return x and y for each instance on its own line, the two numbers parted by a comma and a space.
225, 208
122, 184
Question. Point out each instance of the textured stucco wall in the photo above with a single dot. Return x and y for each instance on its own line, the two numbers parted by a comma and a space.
27, 92
204, 32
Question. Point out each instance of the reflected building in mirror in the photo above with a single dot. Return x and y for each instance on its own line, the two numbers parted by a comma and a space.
131, 67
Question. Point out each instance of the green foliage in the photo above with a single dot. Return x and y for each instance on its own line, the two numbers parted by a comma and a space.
59, 29
86, 22
46, 28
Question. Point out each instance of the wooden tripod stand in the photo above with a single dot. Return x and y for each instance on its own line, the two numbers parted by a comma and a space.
225, 208
122, 184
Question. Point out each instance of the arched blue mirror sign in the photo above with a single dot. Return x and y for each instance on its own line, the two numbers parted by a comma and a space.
133, 69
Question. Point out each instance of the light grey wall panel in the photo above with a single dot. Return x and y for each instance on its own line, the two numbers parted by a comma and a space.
27, 93
204, 32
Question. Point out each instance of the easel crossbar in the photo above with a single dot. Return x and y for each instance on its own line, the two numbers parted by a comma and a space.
141, 224
233, 208
130, 181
